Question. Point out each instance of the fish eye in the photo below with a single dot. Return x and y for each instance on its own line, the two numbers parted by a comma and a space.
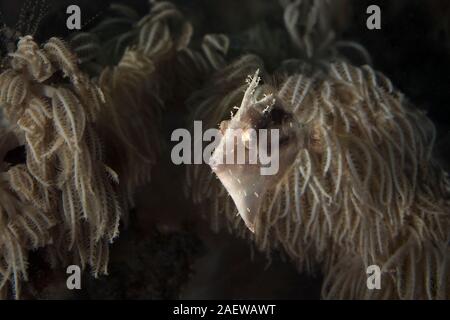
277, 115
276, 118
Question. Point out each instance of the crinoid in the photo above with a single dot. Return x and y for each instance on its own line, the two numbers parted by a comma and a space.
135, 126
357, 183
25, 218
138, 80
164, 29
137, 83
308, 23
315, 30
52, 107
145, 80
356, 186
314, 26
164, 36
